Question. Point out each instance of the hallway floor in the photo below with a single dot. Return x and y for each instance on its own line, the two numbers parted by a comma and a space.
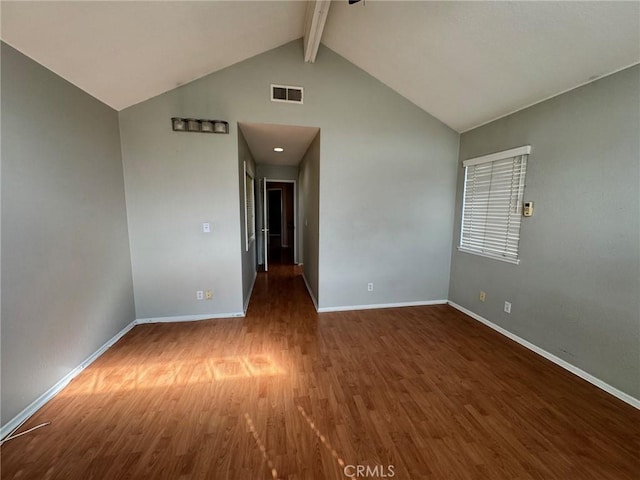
410, 393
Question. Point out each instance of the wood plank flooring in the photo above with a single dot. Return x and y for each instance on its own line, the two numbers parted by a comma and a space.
411, 393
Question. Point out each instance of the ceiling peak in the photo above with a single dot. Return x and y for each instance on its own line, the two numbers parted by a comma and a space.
316, 16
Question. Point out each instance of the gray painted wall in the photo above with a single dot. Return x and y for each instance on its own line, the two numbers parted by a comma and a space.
309, 214
248, 256
174, 182
387, 195
576, 291
66, 267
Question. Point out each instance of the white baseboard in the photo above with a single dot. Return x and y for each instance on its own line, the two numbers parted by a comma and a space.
188, 318
313, 298
347, 308
39, 402
625, 397
246, 302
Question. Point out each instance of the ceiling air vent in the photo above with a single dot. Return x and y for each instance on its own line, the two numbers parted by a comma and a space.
287, 93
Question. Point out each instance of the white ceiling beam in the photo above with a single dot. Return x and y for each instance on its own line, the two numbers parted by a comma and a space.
316, 17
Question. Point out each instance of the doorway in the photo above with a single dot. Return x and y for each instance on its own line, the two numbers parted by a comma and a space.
287, 154
280, 221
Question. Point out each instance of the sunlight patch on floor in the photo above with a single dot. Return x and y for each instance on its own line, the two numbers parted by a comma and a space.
172, 374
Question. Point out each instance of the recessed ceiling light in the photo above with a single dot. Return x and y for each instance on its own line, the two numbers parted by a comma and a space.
278, 149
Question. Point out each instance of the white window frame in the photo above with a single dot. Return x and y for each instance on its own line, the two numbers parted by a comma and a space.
495, 235
287, 87
249, 213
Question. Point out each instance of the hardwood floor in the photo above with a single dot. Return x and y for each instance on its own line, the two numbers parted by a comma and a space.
420, 393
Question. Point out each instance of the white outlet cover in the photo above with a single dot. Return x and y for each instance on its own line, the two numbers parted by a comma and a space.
199, 295
507, 307
206, 227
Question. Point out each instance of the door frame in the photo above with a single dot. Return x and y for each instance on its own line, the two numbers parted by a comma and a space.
295, 214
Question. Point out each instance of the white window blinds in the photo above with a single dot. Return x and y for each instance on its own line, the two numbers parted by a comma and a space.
492, 204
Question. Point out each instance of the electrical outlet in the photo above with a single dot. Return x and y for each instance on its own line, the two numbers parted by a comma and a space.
208, 294
507, 307
483, 296
369, 287
206, 227
199, 295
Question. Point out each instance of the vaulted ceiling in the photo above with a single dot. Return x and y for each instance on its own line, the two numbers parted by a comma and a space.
466, 63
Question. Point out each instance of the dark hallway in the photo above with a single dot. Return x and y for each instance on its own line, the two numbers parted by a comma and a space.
281, 246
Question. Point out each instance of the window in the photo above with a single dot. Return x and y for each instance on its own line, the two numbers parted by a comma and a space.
249, 209
492, 204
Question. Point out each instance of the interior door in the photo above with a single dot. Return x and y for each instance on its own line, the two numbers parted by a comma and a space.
265, 224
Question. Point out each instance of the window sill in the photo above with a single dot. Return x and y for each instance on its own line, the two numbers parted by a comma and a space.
515, 261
